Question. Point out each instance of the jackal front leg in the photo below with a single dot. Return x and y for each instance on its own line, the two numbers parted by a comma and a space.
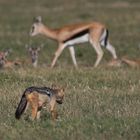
53, 109
39, 111
34, 107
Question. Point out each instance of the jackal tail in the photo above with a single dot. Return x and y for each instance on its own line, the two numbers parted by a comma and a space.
21, 107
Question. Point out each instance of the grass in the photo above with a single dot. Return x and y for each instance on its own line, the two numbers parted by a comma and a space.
101, 103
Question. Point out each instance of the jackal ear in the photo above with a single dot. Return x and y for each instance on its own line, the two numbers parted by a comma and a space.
53, 86
63, 89
37, 19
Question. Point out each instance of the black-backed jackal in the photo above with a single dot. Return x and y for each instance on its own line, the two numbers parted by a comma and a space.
37, 97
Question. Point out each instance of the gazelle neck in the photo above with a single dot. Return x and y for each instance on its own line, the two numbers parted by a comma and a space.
35, 63
50, 33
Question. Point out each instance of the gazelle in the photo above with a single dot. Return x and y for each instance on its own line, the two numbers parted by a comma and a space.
67, 36
4, 63
3, 57
135, 63
114, 63
11, 64
34, 53
132, 63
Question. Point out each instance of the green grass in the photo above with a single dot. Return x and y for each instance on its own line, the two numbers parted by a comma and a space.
101, 103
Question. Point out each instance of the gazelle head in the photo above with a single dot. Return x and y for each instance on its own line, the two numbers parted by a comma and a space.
34, 53
3, 56
37, 26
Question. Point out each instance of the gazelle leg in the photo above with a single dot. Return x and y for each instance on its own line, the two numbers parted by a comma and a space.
112, 50
72, 52
99, 52
57, 54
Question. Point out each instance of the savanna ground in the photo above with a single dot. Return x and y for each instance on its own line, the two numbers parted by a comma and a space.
101, 103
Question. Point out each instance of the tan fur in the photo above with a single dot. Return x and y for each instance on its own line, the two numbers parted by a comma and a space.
34, 53
119, 62
5, 63
132, 63
95, 32
115, 63
11, 64
69, 30
37, 101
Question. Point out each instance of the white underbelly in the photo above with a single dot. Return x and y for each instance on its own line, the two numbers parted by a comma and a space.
82, 39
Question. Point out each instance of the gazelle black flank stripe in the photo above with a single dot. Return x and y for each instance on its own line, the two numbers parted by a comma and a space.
106, 37
77, 35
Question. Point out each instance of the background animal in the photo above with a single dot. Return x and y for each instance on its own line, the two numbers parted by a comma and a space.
124, 60
5, 63
131, 62
34, 54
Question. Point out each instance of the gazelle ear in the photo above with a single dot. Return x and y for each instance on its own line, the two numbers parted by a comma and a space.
7, 51
40, 47
30, 49
37, 19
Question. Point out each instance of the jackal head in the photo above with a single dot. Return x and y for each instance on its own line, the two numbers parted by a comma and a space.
60, 96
